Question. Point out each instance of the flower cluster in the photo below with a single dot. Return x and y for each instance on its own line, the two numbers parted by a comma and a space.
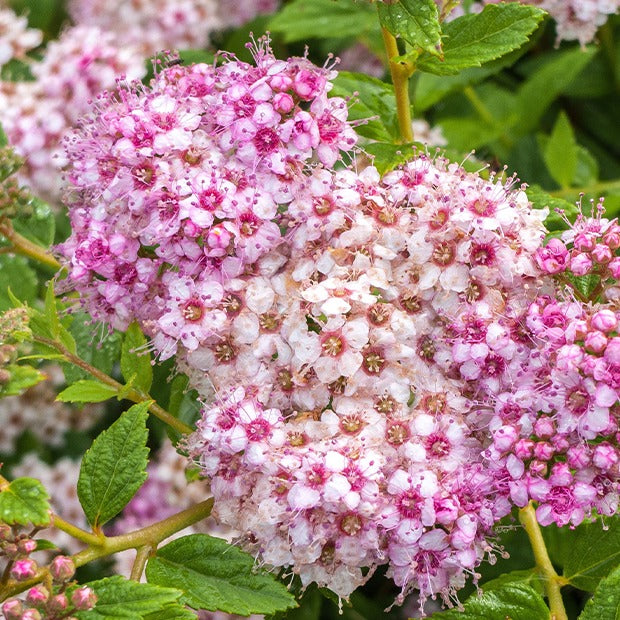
15, 37
59, 598
402, 385
195, 171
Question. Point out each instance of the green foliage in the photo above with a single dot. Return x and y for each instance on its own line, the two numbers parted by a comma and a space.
16, 274
516, 601
594, 552
415, 21
472, 40
135, 360
541, 200
605, 604
561, 152
118, 597
386, 155
172, 612
22, 377
114, 468
183, 404
24, 501
39, 226
87, 391
372, 99
216, 576
300, 20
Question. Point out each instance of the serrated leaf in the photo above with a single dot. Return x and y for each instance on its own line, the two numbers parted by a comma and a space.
96, 346
371, 98
301, 20
114, 468
24, 501
387, 156
515, 601
593, 554
16, 274
51, 310
605, 604
135, 361
118, 597
172, 612
87, 391
560, 154
585, 285
545, 84
472, 40
529, 577
217, 576
415, 21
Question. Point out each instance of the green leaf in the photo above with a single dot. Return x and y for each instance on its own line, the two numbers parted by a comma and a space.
529, 577
24, 501
51, 310
95, 345
593, 554
371, 98
135, 360
16, 274
387, 156
301, 20
184, 405
546, 83
516, 601
114, 468
415, 21
172, 612
118, 597
541, 199
217, 576
605, 604
561, 152
39, 227
3, 139
469, 133
87, 391
44, 545
22, 377
472, 40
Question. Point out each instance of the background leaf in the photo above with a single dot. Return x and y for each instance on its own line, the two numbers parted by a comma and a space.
135, 360
605, 604
561, 152
217, 576
114, 468
24, 501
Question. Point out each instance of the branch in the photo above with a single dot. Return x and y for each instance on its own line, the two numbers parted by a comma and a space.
25, 247
553, 582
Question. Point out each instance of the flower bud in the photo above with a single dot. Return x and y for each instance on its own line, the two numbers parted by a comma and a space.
24, 569
62, 568
31, 614
283, 102
10, 550
6, 532
12, 609
26, 546
602, 254
58, 603
604, 320
584, 242
595, 342
84, 598
580, 264
37, 595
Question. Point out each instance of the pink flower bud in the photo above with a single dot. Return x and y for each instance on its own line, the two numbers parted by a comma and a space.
10, 550
84, 598
12, 609
580, 264
602, 254
523, 448
58, 603
26, 546
543, 451
544, 428
62, 568
6, 532
553, 258
612, 352
604, 320
612, 237
595, 342
614, 267
283, 102
24, 569
280, 82
218, 241
37, 595
605, 456
538, 468
31, 614
578, 457
584, 242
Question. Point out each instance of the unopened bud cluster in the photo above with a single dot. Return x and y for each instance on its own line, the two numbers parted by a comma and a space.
42, 603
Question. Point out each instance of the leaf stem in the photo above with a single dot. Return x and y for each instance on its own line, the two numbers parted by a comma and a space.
130, 394
400, 72
142, 555
25, 247
553, 582
148, 537
76, 532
